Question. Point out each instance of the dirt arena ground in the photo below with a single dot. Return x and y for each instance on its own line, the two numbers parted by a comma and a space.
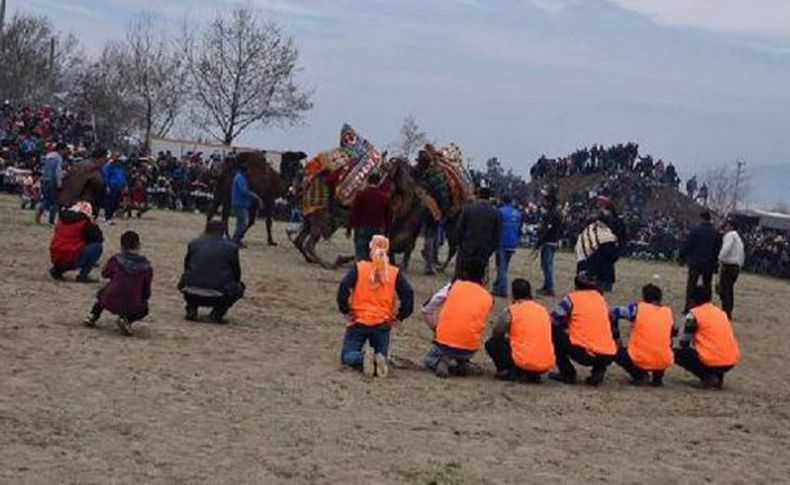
264, 399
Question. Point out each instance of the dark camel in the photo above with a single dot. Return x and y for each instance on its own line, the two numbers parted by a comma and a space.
84, 182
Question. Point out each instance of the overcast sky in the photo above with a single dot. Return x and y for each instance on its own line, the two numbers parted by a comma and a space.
698, 82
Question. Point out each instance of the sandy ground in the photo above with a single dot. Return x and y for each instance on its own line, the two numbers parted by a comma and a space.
264, 399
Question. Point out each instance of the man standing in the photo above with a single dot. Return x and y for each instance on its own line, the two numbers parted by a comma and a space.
731, 259
701, 253
52, 181
241, 198
548, 241
479, 232
512, 220
114, 175
212, 274
369, 215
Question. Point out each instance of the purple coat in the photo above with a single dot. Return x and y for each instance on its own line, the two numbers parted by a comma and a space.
129, 288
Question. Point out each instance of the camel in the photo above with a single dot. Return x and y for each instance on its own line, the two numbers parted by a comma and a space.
263, 180
408, 213
84, 182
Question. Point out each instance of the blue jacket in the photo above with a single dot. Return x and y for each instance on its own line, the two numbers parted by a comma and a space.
240, 193
114, 176
511, 227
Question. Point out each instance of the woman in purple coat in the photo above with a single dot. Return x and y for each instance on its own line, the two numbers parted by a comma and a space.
129, 288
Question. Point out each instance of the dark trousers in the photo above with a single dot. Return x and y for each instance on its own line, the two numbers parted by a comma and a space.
565, 351
727, 278
111, 203
689, 360
130, 317
693, 278
498, 348
219, 304
638, 374
362, 238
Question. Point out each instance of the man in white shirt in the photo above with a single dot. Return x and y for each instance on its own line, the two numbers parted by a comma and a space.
731, 259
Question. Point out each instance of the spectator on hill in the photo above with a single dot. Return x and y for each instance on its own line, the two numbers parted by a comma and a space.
212, 274
76, 243
129, 289
479, 232
369, 215
549, 233
701, 253
512, 220
731, 259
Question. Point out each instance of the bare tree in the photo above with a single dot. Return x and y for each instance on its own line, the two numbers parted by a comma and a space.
411, 138
36, 62
244, 73
728, 187
156, 68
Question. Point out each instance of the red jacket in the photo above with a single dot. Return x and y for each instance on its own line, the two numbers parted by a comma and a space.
72, 232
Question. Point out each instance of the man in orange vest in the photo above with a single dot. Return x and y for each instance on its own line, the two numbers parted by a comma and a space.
582, 332
650, 342
461, 321
367, 299
708, 348
520, 344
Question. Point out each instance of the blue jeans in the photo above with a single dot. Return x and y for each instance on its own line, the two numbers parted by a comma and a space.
547, 266
49, 199
503, 257
242, 221
356, 337
87, 259
438, 351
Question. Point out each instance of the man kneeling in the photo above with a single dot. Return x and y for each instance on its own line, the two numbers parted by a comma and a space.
367, 299
708, 348
212, 274
461, 320
582, 332
520, 344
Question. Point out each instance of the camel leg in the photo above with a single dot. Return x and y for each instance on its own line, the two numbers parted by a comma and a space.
300, 239
269, 223
407, 259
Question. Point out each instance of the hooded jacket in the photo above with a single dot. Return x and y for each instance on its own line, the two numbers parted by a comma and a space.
129, 288
72, 232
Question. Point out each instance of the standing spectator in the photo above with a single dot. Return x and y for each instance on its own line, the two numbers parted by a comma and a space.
369, 215
548, 240
241, 198
212, 274
51, 182
597, 251
701, 253
76, 243
702, 195
479, 232
114, 175
512, 220
731, 258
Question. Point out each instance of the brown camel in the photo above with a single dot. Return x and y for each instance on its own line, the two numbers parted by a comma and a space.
408, 214
84, 182
263, 180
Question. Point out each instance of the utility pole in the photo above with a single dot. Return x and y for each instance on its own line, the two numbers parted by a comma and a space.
2, 15
736, 196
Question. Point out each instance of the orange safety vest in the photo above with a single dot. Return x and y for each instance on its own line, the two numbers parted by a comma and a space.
650, 344
714, 339
373, 306
589, 326
463, 316
530, 337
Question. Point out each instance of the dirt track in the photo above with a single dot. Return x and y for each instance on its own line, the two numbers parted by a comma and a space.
264, 400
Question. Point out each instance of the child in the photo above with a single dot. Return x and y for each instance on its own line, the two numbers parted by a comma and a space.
650, 342
129, 288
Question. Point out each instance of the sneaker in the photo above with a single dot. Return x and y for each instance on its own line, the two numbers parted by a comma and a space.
442, 368
56, 274
90, 320
382, 368
544, 292
85, 279
563, 378
369, 364
124, 326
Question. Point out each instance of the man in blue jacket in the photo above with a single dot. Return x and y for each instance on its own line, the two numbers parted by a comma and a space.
512, 220
114, 175
241, 199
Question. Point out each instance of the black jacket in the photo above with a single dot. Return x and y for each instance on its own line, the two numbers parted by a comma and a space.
550, 228
479, 231
212, 263
701, 250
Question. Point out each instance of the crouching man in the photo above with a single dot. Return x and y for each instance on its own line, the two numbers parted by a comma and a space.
212, 274
708, 348
520, 344
366, 298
